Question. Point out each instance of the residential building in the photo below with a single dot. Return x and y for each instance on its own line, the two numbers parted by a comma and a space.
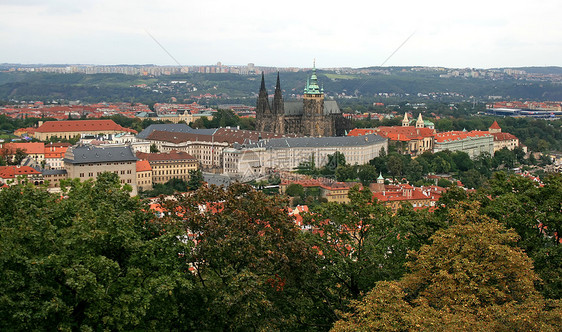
53, 177
10, 175
502, 140
76, 128
144, 175
473, 142
33, 150
54, 155
170, 165
332, 191
207, 147
393, 196
285, 154
87, 162
412, 140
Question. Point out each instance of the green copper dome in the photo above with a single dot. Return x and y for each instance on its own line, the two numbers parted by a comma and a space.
312, 87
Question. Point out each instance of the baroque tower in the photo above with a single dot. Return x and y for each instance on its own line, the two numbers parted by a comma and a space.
314, 121
405, 121
419, 122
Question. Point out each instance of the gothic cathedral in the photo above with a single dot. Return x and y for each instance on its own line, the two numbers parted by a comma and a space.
313, 116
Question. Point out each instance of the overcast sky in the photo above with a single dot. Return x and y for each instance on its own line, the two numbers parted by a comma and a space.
283, 33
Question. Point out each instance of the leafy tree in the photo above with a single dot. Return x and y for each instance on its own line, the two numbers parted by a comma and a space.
394, 165
504, 157
533, 211
346, 173
153, 148
367, 174
169, 188
92, 259
353, 240
195, 180
444, 183
472, 179
335, 160
462, 161
413, 171
249, 261
470, 277
441, 165
295, 190
307, 167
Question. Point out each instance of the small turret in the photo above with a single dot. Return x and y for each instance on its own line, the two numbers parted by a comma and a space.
405, 121
419, 122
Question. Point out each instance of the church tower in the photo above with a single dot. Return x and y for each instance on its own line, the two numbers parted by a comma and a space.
419, 122
313, 99
405, 121
263, 111
278, 109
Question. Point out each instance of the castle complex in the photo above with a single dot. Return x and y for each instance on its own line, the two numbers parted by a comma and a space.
313, 116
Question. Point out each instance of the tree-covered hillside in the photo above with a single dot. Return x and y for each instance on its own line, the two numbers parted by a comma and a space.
405, 84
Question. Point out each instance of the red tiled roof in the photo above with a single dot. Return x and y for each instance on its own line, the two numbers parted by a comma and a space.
360, 131
503, 137
172, 155
81, 125
495, 125
10, 172
55, 151
395, 133
459, 135
29, 148
143, 166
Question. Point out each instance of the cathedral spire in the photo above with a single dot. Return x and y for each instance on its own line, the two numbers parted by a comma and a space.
263, 99
278, 85
262, 88
278, 107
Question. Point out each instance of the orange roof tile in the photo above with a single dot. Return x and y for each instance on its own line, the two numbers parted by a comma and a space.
81, 125
172, 155
459, 135
143, 166
503, 137
495, 125
29, 148
10, 172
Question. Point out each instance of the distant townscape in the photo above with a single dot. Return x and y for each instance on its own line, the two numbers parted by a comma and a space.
177, 205
287, 136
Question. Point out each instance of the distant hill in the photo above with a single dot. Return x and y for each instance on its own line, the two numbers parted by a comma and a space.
402, 83
539, 70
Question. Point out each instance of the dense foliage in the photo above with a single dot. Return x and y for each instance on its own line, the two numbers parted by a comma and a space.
94, 258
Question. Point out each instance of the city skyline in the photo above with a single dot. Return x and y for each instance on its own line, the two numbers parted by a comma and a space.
432, 33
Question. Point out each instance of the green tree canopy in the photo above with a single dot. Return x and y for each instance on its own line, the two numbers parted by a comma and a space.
91, 259
471, 277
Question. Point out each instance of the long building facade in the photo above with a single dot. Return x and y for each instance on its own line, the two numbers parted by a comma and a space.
313, 116
285, 154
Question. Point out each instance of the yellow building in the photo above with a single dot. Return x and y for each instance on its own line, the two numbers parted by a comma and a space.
170, 165
144, 175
